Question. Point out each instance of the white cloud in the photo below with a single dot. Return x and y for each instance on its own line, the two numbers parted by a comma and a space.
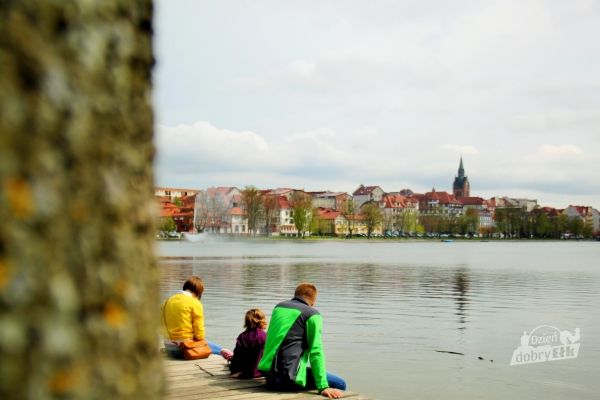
389, 94
203, 144
202, 155
201, 147
559, 151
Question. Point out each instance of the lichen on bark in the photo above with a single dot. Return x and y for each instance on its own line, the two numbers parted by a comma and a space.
78, 277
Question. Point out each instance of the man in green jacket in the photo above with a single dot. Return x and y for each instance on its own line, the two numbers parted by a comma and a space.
294, 339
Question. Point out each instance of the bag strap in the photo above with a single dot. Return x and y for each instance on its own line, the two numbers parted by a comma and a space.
165, 318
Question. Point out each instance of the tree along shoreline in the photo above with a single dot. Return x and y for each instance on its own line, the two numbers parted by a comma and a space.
316, 238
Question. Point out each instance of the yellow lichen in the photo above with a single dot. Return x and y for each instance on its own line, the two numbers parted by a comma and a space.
63, 381
114, 314
122, 287
19, 197
4, 273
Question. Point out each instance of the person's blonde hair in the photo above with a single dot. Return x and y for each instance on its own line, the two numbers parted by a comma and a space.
254, 319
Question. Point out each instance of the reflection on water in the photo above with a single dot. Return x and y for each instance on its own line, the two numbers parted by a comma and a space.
461, 285
387, 308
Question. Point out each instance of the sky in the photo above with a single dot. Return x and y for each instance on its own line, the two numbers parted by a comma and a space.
328, 95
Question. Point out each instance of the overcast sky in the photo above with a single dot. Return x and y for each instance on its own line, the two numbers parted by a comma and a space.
320, 95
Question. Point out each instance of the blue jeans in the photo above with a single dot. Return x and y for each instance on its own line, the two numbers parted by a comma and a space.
333, 381
215, 348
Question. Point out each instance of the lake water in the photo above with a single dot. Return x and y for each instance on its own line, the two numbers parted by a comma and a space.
388, 306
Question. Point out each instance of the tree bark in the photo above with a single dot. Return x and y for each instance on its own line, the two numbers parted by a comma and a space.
78, 277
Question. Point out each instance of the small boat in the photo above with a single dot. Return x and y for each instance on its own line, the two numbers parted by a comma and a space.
447, 240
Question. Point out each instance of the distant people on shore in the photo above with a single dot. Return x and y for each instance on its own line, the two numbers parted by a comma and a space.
183, 318
294, 340
249, 346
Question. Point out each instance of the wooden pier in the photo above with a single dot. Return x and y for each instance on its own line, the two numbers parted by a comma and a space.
209, 379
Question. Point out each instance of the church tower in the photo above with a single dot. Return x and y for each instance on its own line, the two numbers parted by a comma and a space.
461, 186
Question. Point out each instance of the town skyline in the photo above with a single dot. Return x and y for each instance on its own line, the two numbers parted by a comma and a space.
368, 210
336, 94
446, 188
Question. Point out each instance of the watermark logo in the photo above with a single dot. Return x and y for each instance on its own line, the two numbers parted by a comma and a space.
546, 343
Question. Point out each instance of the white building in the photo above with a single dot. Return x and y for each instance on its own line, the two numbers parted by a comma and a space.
367, 193
588, 215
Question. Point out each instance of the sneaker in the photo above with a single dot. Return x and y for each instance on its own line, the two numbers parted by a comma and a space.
227, 354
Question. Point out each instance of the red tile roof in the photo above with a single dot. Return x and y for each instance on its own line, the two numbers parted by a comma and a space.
189, 201
397, 201
364, 190
172, 189
166, 212
472, 201
328, 213
330, 194
441, 197
283, 203
163, 199
549, 211
222, 190
237, 211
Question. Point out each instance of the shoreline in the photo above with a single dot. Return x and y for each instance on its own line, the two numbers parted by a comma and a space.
234, 238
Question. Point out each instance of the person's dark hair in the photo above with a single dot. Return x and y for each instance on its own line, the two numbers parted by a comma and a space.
195, 285
307, 291
255, 318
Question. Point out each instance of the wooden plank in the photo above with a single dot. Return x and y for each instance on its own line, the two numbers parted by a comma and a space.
209, 384
209, 379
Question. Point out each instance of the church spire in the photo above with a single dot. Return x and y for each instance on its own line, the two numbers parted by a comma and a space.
461, 186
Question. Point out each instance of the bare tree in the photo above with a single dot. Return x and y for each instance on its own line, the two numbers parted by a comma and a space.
349, 213
209, 211
302, 207
252, 205
270, 207
372, 217
201, 215
217, 211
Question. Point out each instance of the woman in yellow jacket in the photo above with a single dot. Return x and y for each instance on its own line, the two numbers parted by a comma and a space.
183, 317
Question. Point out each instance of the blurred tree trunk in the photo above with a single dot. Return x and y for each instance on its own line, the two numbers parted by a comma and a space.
78, 277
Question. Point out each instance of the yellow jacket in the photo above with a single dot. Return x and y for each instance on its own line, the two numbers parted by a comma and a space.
183, 317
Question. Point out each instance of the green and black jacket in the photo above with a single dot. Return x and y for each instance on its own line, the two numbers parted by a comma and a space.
294, 338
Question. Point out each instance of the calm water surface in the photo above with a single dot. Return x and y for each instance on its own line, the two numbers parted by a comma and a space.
387, 307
